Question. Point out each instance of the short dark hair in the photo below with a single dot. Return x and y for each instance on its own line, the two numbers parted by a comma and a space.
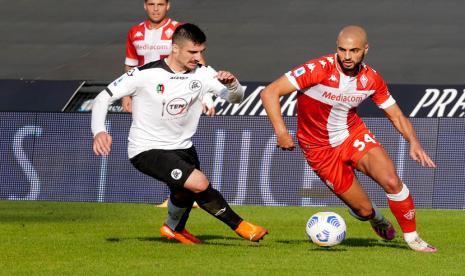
188, 31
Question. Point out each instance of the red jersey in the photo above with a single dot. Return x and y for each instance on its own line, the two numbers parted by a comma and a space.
327, 100
144, 45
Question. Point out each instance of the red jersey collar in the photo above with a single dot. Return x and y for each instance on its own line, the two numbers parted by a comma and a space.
164, 23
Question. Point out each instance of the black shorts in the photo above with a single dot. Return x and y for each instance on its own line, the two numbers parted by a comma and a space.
170, 166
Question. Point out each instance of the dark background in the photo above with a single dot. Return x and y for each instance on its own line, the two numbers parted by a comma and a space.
412, 42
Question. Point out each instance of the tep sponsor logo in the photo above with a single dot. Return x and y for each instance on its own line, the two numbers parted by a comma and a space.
177, 106
342, 98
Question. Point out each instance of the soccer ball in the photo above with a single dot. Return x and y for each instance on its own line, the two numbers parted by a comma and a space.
326, 229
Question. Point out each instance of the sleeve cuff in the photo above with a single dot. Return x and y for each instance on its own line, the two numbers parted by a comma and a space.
390, 101
131, 62
292, 80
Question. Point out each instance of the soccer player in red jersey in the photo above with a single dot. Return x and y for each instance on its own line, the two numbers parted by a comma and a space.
150, 40
334, 139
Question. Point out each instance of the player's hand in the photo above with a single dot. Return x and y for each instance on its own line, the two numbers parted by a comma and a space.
418, 154
208, 106
225, 77
285, 142
102, 143
209, 111
126, 103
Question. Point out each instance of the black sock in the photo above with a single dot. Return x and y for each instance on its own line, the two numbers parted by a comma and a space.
182, 199
213, 202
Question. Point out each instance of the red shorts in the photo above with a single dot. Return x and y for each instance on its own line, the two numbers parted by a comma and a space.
335, 166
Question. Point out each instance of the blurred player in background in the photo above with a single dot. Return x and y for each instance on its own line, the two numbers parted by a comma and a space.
334, 139
149, 40
168, 98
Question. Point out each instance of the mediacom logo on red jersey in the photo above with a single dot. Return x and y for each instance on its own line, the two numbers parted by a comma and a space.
342, 98
152, 47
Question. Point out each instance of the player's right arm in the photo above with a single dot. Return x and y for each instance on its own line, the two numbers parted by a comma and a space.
270, 98
123, 86
130, 62
305, 75
126, 102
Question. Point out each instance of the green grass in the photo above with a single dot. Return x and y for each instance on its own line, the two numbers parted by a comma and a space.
52, 238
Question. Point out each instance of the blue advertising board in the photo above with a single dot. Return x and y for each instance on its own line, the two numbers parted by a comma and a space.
48, 156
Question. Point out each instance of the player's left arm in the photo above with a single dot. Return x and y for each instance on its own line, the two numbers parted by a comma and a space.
404, 126
234, 92
224, 84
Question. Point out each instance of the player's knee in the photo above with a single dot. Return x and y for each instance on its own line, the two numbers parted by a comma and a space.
197, 182
200, 187
392, 184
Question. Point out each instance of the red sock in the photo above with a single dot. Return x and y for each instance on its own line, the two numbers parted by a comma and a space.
404, 211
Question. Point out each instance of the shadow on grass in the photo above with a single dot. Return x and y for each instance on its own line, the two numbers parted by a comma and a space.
351, 242
358, 242
206, 240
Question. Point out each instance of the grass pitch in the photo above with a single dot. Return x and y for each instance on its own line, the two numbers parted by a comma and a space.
56, 238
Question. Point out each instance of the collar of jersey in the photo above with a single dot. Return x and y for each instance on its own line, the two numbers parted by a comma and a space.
168, 68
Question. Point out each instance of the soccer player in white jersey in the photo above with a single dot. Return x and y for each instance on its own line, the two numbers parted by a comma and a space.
334, 139
150, 41
168, 97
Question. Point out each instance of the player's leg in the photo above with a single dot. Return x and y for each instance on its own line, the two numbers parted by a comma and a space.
168, 166
376, 164
361, 207
210, 199
179, 207
334, 169
214, 203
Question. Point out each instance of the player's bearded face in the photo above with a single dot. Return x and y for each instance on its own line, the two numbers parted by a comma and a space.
350, 54
350, 62
189, 54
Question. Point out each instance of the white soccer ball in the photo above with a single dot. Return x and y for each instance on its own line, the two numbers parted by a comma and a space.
326, 229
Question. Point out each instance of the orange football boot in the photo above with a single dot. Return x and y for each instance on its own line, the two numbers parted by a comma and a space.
183, 236
250, 231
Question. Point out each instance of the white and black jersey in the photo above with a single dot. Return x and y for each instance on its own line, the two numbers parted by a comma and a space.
166, 106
